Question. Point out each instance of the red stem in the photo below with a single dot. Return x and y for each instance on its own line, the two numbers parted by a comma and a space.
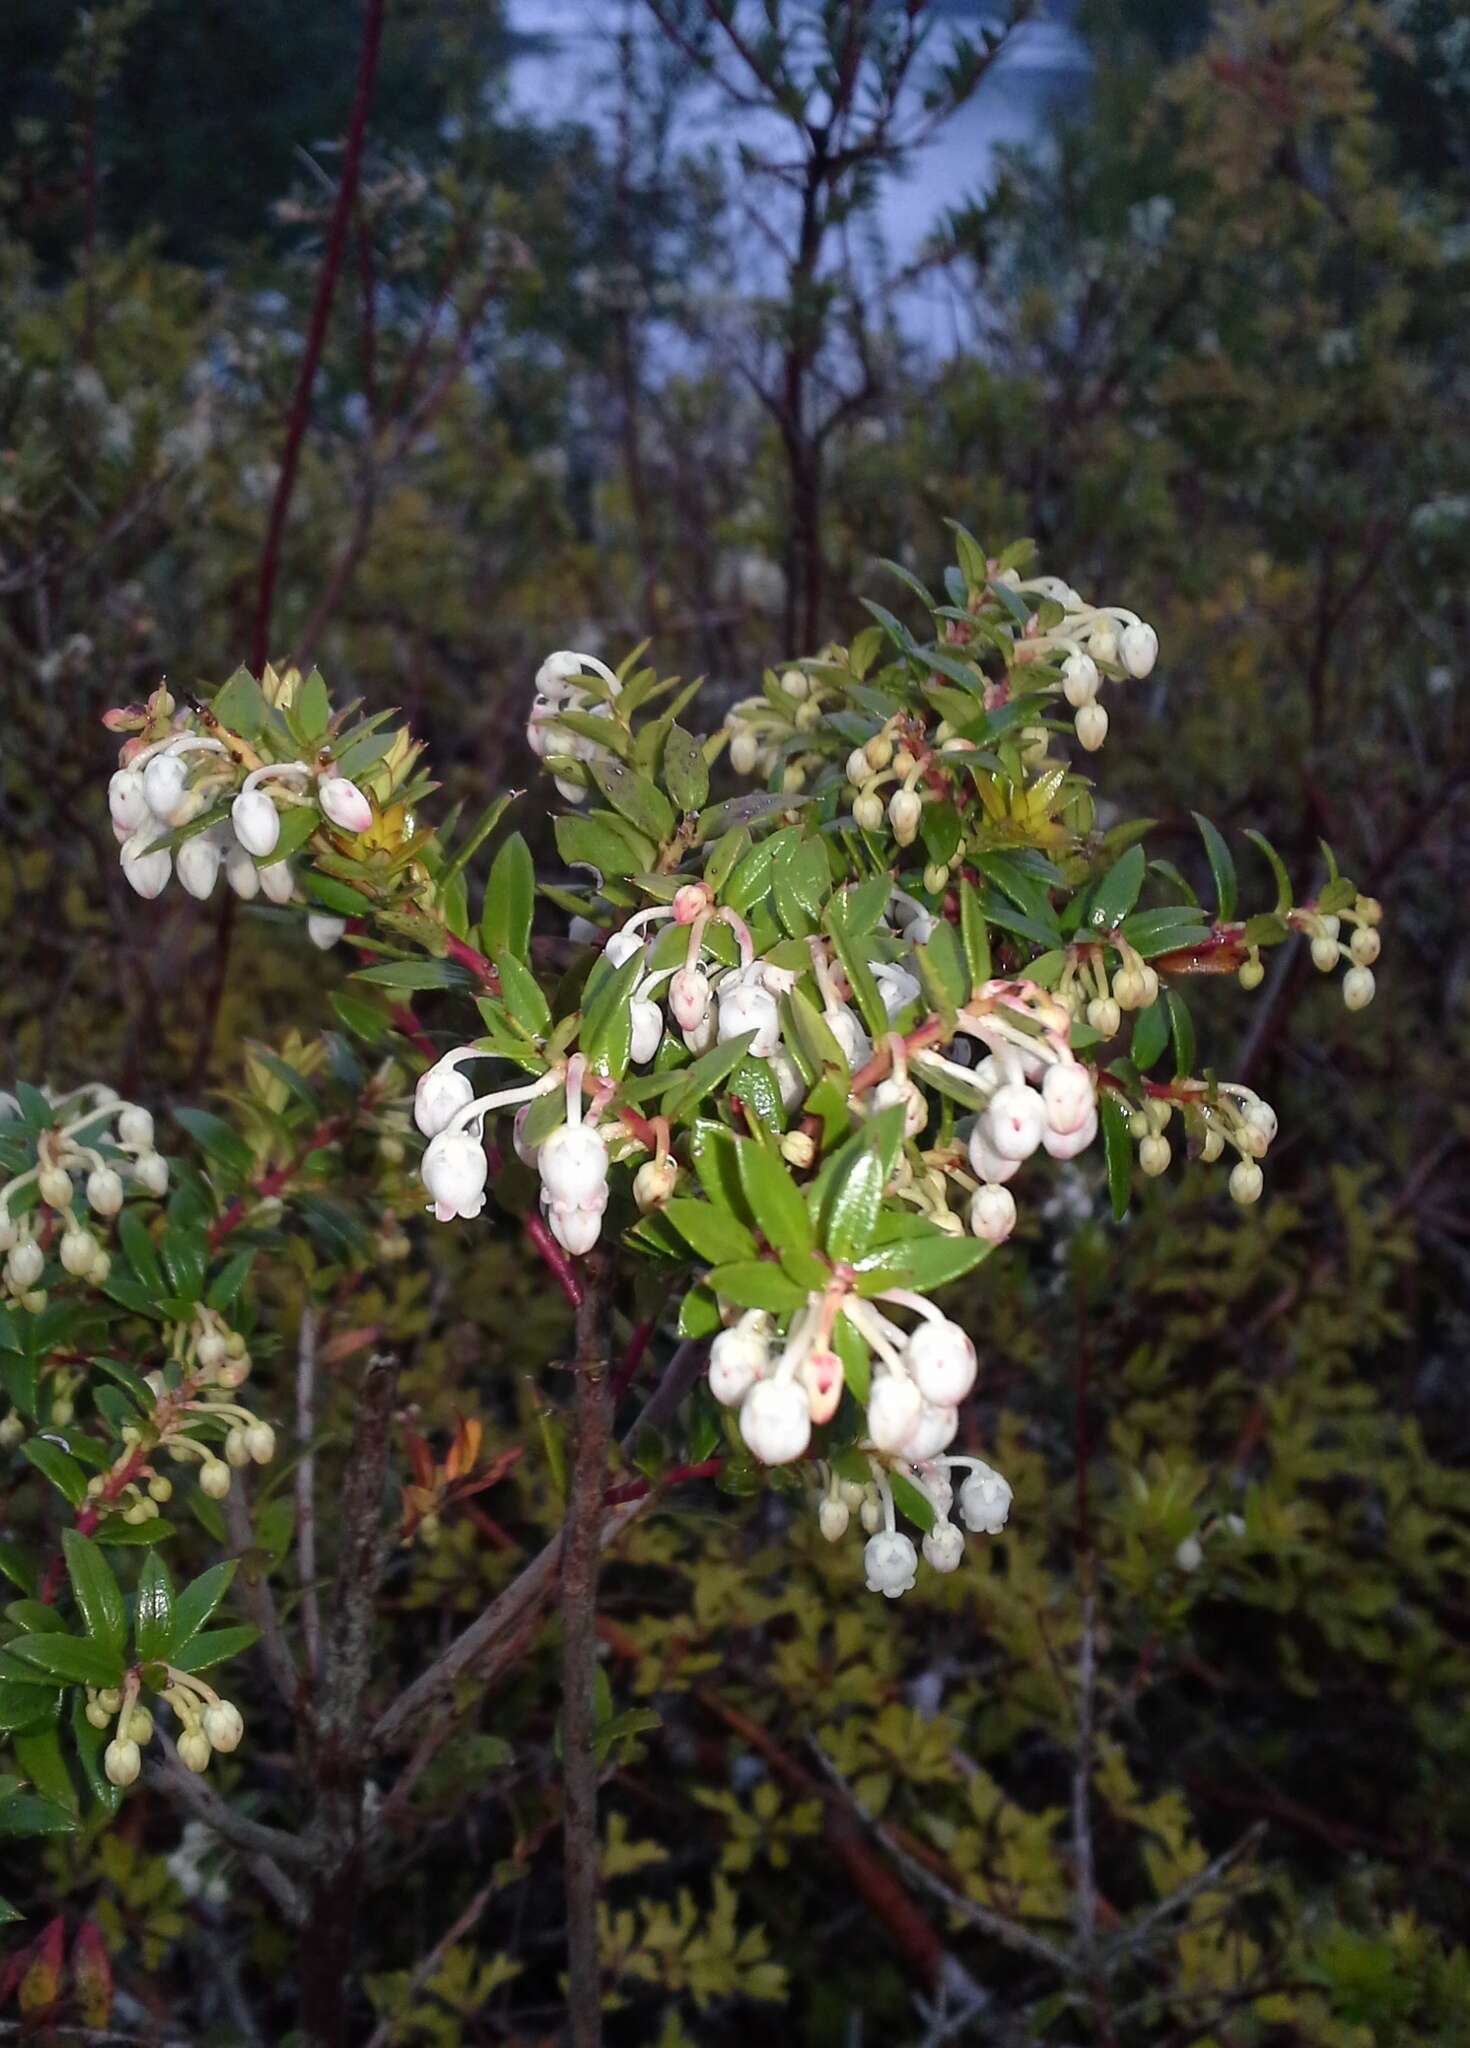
331, 264
632, 1358
635, 1489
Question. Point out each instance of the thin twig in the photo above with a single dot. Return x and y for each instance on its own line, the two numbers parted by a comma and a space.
199, 1799
260, 1601
311, 1619
383, 2032
1138, 1935
581, 1551
1082, 1771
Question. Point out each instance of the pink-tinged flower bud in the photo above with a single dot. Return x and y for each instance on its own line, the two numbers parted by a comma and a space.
454, 1170
776, 1421
257, 822
146, 866
198, 862
344, 804
1015, 1120
992, 1213
745, 1007
905, 809
324, 931
944, 1547
440, 1095
737, 1359
933, 1432
1067, 1093
1139, 649
691, 900
126, 802
703, 1035
163, 785
985, 1501
942, 1360
689, 998
1067, 1145
573, 1164
891, 1563
820, 1374
277, 883
894, 1406
1079, 680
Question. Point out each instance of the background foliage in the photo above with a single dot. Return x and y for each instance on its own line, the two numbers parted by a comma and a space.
1213, 361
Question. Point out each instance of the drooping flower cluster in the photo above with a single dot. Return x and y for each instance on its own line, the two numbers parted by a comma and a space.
59, 1207
568, 695
206, 1722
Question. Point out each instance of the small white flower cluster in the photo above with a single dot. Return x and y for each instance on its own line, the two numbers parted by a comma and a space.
104, 1142
890, 1560
558, 692
168, 784
206, 1723
1231, 1116
1086, 988
213, 1361
1098, 643
766, 730
1360, 952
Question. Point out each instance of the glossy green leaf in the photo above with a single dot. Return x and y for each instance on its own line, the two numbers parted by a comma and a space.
1150, 1035
756, 1283
214, 1646
1119, 1150
686, 772
153, 1623
779, 1210
714, 1234
1222, 867
98, 1595
83, 1660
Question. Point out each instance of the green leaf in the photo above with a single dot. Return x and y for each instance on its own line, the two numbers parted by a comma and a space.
1119, 1149
724, 855
1222, 867
852, 1201
1266, 929
478, 833
712, 1149
184, 1255
699, 1314
607, 1021
973, 935
26, 1706
510, 899
153, 1624
117, 1534
199, 1599
81, 1660
597, 843
59, 1467
686, 771
1115, 895
779, 1210
756, 1283
224, 1288
217, 1139
911, 1502
1181, 1030
240, 706
859, 976
716, 1236
857, 1366
27, 1813
98, 1594
414, 974
142, 1254
214, 1646
923, 1263
635, 797
525, 1000
744, 810
1278, 869
38, 1753
1150, 1036
689, 1086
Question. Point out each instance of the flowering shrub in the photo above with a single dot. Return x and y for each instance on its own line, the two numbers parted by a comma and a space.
791, 1058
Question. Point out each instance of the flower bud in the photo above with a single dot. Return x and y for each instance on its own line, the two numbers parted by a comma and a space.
140, 1725
440, 1095
1365, 945
344, 804
879, 751
241, 874
933, 1432
150, 1171
135, 1127
1154, 1155
795, 684
647, 1031
1067, 1095
859, 772
1092, 726
744, 750
820, 1374
1067, 1144
894, 1406
944, 1547
890, 1562
223, 1726
1246, 1182
1251, 974
277, 883
1105, 1017
24, 1265
163, 786
214, 1478
257, 823
260, 1442
621, 946
146, 867
1079, 680
122, 1760
986, 1162
454, 1170
942, 1360
1261, 1117
194, 1750
1358, 987
892, 1093
737, 1359
53, 1184
689, 998
992, 1213
126, 802
867, 811
198, 863
1103, 641
78, 1252
832, 1519
905, 809
324, 931
776, 1422
237, 1451
1139, 649
97, 1715
798, 1149
654, 1182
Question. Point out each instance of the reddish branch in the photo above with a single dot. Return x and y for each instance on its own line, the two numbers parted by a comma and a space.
331, 264
327, 1132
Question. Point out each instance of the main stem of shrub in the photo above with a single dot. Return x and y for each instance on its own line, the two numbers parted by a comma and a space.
580, 1555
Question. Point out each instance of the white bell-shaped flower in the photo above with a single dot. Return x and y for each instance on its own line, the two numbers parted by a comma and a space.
1015, 1120
277, 883
1139, 648
441, 1094
942, 1361
323, 930
163, 785
576, 1226
985, 1161
833, 1517
126, 802
146, 865
738, 1358
1079, 680
891, 1563
689, 998
242, 875
776, 1422
933, 1432
846, 1027
454, 1172
573, 1164
257, 822
198, 862
985, 1501
944, 1547
894, 1406
744, 1006
1068, 1096
1067, 1144
647, 1030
